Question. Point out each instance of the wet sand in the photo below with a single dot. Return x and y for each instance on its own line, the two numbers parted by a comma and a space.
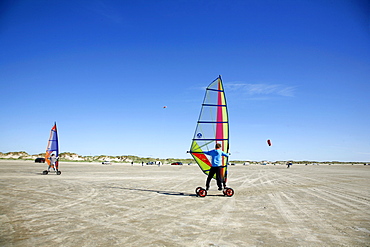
124, 205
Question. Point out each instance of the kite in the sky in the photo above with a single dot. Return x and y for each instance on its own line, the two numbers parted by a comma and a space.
269, 142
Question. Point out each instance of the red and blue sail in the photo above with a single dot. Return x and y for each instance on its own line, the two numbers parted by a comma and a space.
212, 127
53, 146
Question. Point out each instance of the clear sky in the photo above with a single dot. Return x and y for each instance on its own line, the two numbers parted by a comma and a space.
296, 72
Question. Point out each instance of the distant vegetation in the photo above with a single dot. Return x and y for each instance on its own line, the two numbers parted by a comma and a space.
68, 156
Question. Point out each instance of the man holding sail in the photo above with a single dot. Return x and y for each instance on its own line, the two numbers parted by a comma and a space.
53, 159
216, 155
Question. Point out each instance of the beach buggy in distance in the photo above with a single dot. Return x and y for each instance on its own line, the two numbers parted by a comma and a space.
53, 146
46, 172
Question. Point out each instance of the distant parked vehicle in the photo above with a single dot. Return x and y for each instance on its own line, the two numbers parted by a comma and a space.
106, 162
176, 164
40, 160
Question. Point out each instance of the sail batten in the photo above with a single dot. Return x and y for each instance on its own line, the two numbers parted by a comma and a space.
217, 90
212, 127
211, 122
213, 105
210, 139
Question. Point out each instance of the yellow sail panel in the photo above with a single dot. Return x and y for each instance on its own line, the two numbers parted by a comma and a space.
202, 160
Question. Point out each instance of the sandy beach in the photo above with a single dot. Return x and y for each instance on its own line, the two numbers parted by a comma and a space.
123, 205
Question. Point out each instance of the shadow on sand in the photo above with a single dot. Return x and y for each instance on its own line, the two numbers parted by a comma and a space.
168, 193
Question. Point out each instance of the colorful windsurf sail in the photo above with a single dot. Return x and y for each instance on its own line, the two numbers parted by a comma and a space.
212, 127
53, 146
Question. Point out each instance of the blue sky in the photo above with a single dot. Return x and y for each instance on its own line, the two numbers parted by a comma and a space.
295, 72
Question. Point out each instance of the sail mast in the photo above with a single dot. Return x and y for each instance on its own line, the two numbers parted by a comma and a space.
212, 127
53, 145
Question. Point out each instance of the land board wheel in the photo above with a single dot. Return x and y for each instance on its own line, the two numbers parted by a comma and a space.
45, 172
197, 189
202, 192
228, 192
59, 172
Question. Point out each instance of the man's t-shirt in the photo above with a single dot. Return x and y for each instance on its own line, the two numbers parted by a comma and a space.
216, 156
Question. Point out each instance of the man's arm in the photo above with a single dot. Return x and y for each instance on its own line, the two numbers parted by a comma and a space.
225, 154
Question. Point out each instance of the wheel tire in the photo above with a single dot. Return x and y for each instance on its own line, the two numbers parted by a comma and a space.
197, 190
59, 172
228, 192
202, 192
45, 172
